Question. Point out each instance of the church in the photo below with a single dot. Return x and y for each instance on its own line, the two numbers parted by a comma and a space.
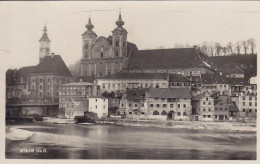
103, 56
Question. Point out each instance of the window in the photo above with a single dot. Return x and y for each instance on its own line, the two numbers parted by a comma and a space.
142, 112
155, 112
184, 105
122, 105
117, 43
157, 85
171, 105
209, 109
178, 113
157, 105
130, 112
96, 100
104, 86
250, 98
204, 110
250, 110
108, 72
250, 103
135, 105
216, 109
92, 73
123, 44
244, 104
255, 103
40, 80
220, 109
100, 73
151, 105
164, 113
209, 103
101, 54
204, 103
207, 98
165, 105
225, 109
244, 110
179, 105
40, 86
130, 104
208, 116
142, 105
184, 114
216, 116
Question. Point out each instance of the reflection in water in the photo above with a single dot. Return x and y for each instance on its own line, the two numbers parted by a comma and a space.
117, 142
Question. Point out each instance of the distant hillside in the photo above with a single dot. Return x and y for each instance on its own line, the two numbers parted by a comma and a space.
242, 59
75, 68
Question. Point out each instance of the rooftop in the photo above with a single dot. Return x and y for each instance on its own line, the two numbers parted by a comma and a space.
136, 76
178, 78
168, 58
78, 84
169, 93
136, 93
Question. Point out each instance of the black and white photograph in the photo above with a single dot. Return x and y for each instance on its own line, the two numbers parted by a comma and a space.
134, 80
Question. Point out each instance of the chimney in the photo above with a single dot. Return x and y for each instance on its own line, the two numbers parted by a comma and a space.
52, 54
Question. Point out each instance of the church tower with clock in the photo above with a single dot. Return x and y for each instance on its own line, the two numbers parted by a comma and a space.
44, 45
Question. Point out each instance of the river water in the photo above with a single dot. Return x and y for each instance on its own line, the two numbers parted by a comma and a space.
51, 141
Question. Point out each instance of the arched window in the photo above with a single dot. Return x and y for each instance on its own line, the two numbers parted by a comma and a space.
164, 113
155, 112
178, 113
184, 114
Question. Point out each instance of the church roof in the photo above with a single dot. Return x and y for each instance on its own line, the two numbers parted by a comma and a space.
13, 76
168, 58
52, 64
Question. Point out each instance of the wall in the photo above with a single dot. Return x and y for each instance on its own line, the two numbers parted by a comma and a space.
99, 106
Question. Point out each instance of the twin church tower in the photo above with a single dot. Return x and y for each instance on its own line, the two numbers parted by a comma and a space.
101, 56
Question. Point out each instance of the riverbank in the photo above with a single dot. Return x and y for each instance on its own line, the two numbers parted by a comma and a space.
16, 134
226, 126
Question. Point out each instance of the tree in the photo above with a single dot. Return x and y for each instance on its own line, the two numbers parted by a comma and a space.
238, 47
204, 47
218, 48
211, 48
230, 48
224, 50
245, 46
252, 44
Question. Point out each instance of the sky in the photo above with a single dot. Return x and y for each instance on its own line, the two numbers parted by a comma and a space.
150, 25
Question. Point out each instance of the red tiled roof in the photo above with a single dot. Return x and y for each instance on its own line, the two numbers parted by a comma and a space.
169, 93
167, 58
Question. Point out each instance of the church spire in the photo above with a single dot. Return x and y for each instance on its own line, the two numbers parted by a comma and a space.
44, 35
89, 26
120, 22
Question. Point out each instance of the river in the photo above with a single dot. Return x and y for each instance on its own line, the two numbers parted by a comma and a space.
71, 141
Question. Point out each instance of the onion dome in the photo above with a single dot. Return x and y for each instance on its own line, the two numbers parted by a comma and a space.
89, 26
120, 22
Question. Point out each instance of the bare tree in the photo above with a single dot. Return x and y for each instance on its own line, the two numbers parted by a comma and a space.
224, 50
252, 44
218, 48
238, 47
204, 47
230, 48
245, 46
211, 48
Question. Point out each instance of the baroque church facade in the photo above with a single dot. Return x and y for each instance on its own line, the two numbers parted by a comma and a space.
103, 56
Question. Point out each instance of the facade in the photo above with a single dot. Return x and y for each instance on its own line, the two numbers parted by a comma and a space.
247, 105
134, 103
169, 103
221, 107
203, 107
184, 61
73, 98
122, 81
103, 56
98, 105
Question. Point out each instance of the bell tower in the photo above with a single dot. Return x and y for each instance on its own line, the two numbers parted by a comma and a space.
44, 45
88, 39
119, 37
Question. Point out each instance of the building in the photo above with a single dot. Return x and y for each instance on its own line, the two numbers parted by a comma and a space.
35, 89
98, 105
169, 103
208, 84
103, 56
221, 106
122, 81
233, 70
179, 81
247, 105
134, 103
184, 61
73, 98
203, 107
